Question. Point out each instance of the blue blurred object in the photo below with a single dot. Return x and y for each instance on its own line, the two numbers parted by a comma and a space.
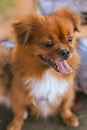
82, 50
7, 44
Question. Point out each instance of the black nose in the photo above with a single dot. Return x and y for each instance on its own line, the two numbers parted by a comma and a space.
64, 53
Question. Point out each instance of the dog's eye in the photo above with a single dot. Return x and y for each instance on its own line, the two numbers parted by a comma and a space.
48, 45
70, 39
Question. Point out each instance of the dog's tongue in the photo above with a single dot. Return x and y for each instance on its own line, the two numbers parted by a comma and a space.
64, 67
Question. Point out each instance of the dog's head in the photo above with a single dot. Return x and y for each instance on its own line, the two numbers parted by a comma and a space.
50, 39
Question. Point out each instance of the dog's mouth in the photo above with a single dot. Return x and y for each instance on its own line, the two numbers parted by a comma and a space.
60, 66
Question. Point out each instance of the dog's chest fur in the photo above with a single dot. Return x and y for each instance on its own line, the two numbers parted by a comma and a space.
46, 92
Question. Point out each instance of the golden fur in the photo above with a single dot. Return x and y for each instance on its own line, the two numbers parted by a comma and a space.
31, 33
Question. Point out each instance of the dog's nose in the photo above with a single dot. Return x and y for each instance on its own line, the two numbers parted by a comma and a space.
64, 53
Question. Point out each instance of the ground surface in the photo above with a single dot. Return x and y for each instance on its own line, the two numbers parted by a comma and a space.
51, 124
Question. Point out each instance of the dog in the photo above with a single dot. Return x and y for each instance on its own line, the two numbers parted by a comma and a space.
44, 64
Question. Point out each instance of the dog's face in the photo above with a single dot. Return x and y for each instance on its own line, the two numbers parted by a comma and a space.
50, 38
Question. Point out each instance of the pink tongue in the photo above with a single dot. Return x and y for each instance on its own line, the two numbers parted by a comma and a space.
64, 67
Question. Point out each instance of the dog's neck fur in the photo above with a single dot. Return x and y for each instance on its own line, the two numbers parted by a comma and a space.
47, 90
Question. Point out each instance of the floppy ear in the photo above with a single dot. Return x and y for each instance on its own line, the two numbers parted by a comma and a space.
71, 15
24, 30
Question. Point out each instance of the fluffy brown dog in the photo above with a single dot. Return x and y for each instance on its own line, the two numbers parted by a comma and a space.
44, 63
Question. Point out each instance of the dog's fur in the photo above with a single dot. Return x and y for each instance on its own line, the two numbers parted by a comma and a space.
36, 85
5, 81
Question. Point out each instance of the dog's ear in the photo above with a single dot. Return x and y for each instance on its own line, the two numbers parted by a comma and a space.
24, 29
71, 15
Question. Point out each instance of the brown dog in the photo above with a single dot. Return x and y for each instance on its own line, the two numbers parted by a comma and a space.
44, 63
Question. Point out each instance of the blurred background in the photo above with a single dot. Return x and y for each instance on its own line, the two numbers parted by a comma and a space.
6, 10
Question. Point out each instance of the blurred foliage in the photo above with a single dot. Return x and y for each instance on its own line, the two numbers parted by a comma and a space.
5, 4
6, 9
